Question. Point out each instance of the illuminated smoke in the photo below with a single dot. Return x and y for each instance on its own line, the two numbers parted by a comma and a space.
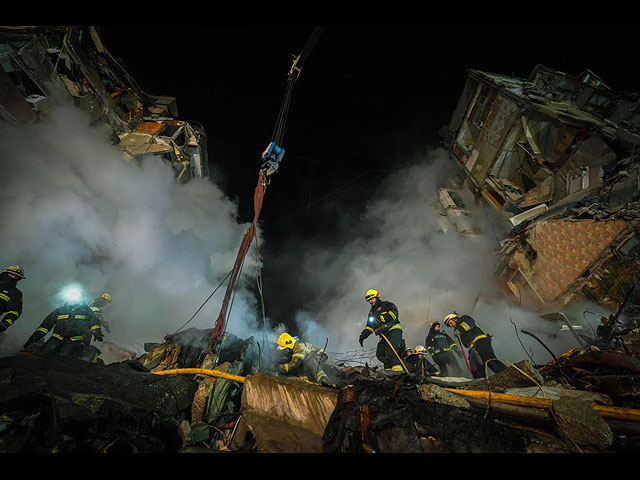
75, 211
397, 247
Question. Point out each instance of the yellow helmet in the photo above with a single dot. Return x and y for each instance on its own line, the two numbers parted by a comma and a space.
420, 349
371, 294
286, 341
451, 316
15, 270
106, 296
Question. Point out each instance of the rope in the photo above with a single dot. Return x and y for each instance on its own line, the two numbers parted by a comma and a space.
260, 291
228, 313
200, 308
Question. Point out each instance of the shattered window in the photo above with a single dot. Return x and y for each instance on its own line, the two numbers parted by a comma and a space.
457, 199
482, 107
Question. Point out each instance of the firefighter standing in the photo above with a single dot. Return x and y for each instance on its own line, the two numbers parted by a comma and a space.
69, 323
301, 359
384, 321
10, 296
475, 340
441, 346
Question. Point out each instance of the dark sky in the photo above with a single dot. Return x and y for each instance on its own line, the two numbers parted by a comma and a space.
368, 100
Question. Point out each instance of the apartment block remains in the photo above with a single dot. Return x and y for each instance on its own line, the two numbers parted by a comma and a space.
49, 65
556, 155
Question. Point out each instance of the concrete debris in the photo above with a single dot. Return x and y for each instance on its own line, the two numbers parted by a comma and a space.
521, 374
64, 405
435, 394
206, 404
580, 424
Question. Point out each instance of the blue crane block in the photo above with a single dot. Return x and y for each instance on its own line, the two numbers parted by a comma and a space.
271, 158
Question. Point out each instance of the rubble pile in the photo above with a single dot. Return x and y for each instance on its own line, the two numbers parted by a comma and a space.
584, 401
51, 404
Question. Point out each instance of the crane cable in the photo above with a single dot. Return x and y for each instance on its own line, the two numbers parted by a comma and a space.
220, 325
294, 73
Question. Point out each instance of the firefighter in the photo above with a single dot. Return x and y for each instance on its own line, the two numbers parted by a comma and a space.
10, 296
384, 321
68, 324
441, 346
418, 364
476, 341
301, 359
99, 304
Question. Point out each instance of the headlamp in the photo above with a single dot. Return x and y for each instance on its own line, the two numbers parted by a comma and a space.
72, 294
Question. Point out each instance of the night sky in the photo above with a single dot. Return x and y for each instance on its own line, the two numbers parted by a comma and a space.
369, 100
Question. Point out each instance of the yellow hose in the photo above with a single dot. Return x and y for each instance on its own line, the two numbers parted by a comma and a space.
202, 371
394, 351
617, 413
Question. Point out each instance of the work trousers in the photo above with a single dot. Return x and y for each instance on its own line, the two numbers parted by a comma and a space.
447, 364
386, 354
479, 354
68, 348
312, 368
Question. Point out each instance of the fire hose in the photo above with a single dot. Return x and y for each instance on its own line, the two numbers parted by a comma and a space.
616, 413
394, 351
202, 371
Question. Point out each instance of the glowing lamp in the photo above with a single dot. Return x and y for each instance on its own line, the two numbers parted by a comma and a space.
72, 294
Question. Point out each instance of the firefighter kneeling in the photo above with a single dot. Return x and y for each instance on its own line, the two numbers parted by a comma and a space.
69, 325
301, 359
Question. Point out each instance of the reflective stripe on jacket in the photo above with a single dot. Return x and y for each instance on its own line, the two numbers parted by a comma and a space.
383, 317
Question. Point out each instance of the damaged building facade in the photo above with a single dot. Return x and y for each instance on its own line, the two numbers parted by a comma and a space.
47, 66
556, 155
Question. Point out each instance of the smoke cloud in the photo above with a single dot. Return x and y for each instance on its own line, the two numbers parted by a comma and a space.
75, 211
398, 248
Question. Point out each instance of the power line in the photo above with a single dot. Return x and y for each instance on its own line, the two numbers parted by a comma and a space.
324, 197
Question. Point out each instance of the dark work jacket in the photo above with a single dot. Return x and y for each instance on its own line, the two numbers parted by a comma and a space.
468, 331
69, 322
383, 317
438, 341
10, 301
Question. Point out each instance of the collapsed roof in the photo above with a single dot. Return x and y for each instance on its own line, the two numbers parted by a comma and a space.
47, 66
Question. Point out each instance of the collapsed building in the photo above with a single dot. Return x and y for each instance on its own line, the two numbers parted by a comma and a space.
45, 66
556, 156
181, 396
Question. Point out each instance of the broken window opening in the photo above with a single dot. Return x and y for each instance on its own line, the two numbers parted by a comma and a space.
23, 80
482, 108
578, 180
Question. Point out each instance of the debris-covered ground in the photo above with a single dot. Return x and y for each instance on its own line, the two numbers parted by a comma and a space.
587, 402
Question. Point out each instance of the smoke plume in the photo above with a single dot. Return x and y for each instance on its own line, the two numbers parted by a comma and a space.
75, 211
398, 248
